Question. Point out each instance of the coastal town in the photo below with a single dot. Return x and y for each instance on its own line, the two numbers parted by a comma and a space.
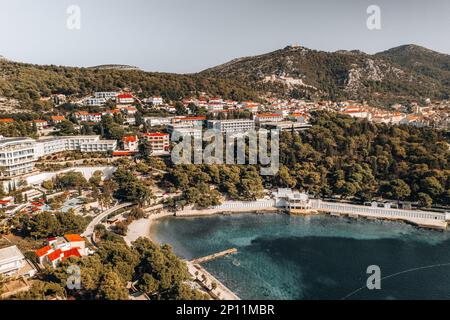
223, 159
68, 163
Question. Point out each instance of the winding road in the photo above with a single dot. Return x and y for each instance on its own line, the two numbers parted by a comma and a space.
90, 228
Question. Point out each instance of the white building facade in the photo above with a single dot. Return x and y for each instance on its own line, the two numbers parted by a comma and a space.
232, 126
16, 156
13, 263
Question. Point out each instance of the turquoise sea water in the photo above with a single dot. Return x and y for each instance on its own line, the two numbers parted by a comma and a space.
319, 257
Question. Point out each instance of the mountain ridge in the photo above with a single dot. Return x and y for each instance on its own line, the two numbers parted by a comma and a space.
399, 74
408, 71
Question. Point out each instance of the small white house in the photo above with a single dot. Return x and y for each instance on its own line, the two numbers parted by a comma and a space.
13, 263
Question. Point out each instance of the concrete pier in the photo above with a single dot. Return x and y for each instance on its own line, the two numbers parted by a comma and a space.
214, 256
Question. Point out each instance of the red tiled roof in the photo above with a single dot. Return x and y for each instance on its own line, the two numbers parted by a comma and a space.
269, 115
353, 111
123, 153
73, 237
55, 255
156, 134
74, 252
192, 118
43, 251
58, 118
129, 139
113, 111
7, 120
124, 96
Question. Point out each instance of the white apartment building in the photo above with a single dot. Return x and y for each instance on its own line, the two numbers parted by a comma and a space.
95, 117
16, 156
216, 100
193, 121
99, 146
95, 102
13, 263
231, 126
159, 142
189, 132
50, 145
129, 110
178, 126
105, 95
125, 98
84, 116
268, 117
215, 106
356, 112
130, 143
158, 121
40, 124
298, 117
156, 101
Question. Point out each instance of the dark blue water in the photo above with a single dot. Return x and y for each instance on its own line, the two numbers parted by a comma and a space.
320, 257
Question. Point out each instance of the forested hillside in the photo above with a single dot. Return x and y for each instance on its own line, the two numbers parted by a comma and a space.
341, 156
28, 83
396, 75
355, 158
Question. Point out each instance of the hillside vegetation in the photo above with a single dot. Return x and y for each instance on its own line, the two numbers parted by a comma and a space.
28, 83
396, 75
407, 72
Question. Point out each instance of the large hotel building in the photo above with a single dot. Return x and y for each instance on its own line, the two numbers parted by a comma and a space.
232, 126
18, 155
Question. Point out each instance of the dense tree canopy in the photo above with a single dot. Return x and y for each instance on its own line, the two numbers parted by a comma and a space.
28, 83
157, 271
46, 224
130, 188
356, 158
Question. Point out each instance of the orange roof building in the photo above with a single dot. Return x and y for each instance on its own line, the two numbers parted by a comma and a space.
73, 237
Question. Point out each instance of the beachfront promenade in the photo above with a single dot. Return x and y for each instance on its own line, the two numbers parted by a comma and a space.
421, 218
427, 219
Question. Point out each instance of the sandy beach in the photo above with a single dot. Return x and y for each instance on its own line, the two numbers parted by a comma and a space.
142, 227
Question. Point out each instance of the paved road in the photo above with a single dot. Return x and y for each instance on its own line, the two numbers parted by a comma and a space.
90, 228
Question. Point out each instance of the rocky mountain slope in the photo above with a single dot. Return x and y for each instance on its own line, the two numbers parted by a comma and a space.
406, 72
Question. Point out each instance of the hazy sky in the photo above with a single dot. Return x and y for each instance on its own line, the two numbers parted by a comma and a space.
191, 35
